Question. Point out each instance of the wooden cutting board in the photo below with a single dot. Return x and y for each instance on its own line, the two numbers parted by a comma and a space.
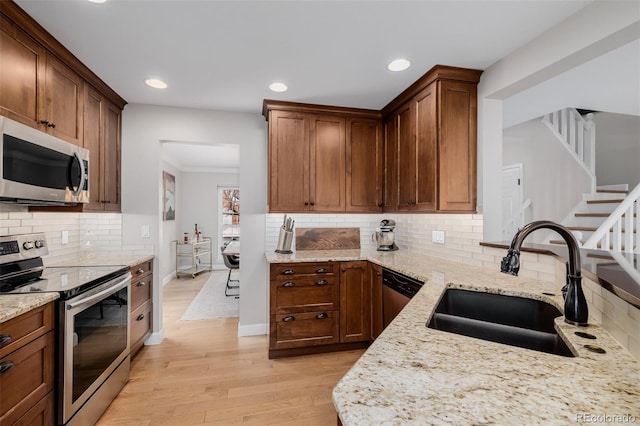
327, 238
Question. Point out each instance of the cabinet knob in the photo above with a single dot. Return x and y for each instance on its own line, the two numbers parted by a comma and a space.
288, 272
6, 366
322, 271
306, 203
5, 339
52, 125
378, 274
141, 284
312, 203
289, 318
45, 122
140, 271
322, 282
380, 205
289, 284
140, 317
322, 315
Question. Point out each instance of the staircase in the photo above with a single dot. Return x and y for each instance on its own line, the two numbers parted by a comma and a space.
607, 220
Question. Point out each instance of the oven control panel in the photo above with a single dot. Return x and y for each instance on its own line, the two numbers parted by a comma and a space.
22, 246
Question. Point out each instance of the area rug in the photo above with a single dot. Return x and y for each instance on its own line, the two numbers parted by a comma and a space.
211, 301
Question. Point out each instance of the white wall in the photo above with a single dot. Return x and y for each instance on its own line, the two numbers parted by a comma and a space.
143, 127
595, 30
617, 148
199, 202
553, 179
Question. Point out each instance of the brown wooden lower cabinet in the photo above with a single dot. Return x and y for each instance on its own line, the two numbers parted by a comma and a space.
319, 307
26, 365
375, 278
141, 305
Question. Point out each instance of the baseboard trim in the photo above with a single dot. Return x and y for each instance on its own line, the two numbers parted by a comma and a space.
252, 330
155, 338
168, 278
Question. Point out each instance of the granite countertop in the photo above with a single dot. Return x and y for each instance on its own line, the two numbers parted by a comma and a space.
13, 305
107, 260
415, 375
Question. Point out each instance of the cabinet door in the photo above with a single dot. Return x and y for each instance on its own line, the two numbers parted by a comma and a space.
375, 277
62, 109
405, 133
288, 162
457, 146
355, 302
327, 164
391, 164
424, 113
364, 165
111, 158
93, 139
21, 61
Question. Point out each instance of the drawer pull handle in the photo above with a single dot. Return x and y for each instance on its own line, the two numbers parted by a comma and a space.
288, 272
5, 339
6, 366
140, 317
289, 318
323, 315
141, 284
322, 271
140, 271
322, 282
289, 284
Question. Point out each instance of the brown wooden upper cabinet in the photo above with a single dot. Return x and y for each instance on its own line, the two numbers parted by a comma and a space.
37, 89
323, 159
45, 87
430, 142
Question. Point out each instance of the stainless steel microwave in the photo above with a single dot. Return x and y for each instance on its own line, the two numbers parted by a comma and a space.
39, 169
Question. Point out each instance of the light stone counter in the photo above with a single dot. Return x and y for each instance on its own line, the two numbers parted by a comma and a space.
13, 305
415, 375
107, 260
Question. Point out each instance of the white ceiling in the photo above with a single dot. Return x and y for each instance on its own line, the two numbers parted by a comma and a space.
222, 55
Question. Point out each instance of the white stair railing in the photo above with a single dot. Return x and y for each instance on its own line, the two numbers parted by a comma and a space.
508, 230
621, 230
578, 136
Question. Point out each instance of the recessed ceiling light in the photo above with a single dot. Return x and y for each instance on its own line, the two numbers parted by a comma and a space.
97, 1
156, 84
278, 87
399, 65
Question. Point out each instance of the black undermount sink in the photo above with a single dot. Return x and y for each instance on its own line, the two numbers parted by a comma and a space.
511, 320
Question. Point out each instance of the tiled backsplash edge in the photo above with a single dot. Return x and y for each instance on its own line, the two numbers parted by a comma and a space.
89, 233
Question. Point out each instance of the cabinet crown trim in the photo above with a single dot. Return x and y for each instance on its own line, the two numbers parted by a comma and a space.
270, 104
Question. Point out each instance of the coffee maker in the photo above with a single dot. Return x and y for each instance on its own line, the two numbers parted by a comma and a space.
385, 235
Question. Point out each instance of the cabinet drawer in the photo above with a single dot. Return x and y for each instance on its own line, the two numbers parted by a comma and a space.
141, 291
26, 327
304, 329
140, 323
43, 413
141, 269
29, 375
305, 295
289, 269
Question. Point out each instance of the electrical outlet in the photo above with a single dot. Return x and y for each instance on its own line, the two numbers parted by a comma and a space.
437, 237
144, 231
65, 237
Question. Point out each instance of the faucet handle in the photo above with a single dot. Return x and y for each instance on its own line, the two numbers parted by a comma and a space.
511, 263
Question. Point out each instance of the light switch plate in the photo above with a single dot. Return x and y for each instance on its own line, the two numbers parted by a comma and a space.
144, 231
64, 236
437, 237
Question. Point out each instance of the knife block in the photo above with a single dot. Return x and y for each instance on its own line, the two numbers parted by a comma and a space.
284, 242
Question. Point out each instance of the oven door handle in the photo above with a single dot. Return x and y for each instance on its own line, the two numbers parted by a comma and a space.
83, 175
94, 297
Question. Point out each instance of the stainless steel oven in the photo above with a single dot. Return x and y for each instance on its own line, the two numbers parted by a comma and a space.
94, 365
92, 324
37, 168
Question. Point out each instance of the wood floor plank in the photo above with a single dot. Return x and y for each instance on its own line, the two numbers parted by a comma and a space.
204, 374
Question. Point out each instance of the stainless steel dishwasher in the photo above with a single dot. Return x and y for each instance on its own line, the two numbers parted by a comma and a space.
397, 290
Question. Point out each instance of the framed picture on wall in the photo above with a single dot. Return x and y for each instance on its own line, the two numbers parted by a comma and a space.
169, 187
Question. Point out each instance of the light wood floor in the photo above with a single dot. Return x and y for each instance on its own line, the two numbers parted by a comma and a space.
202, 373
